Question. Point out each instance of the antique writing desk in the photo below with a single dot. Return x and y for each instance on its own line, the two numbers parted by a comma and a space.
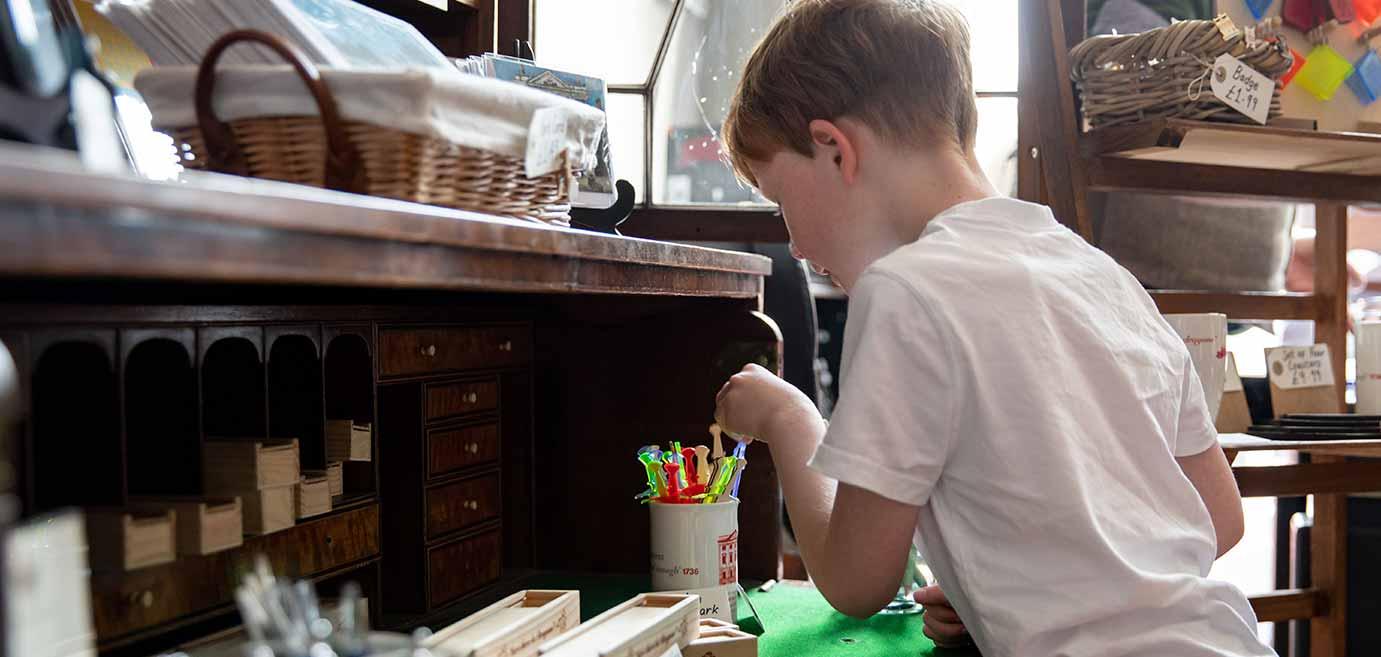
509, 372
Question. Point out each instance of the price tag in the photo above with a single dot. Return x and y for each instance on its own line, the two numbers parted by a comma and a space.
1233, 382
1242, 88
716, 602
1300, 367
546, 141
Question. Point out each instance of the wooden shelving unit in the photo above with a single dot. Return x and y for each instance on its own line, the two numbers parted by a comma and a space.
1061, 164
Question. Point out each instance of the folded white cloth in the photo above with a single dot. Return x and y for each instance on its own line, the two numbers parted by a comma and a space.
482, 113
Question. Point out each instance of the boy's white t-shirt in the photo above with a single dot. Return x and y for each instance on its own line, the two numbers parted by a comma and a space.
1022, 388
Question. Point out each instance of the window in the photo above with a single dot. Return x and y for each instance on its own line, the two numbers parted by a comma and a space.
672, 66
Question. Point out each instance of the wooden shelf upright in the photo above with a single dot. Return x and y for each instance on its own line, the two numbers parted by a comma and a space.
1060, 164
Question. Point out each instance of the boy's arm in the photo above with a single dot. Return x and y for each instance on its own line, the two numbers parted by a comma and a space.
1212, 478
853, 541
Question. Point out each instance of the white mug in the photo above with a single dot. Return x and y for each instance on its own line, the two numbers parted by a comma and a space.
1369, 367
1206, 336
695, 546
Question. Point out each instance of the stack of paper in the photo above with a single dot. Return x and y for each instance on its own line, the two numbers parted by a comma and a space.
335, 33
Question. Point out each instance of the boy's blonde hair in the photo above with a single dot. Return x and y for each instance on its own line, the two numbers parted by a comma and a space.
901, 67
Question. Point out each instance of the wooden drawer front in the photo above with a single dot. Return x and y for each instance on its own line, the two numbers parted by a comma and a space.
128, 602
449, 450
461, 567
449, 399
411, 351
461, 504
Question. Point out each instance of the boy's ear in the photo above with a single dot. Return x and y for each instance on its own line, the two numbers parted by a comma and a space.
829, 141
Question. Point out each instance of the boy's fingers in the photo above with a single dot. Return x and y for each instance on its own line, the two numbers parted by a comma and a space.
944, 633
931, 595
943, 614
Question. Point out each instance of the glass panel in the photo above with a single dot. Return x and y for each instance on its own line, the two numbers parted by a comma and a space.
711, 42
627, 136
612, 39
993, 27
996, 145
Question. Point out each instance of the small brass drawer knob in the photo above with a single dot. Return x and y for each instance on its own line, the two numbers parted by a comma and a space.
473, 448
141, 599
506, 345
429, 351
472, 397
472, 505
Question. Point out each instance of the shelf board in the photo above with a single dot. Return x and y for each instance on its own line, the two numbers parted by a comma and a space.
1238, 305
1289, 604
1196, 157
1242, 442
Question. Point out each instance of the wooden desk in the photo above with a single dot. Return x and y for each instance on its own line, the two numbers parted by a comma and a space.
509, 371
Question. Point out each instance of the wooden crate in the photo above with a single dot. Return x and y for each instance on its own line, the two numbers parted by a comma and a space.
204, 526
335, 480
124, 540
234, 467
720, 639
313, 495
348, 441
270, 509
648, 624
512, 627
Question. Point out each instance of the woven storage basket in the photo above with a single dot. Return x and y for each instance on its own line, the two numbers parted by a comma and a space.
326, 151
1164, 73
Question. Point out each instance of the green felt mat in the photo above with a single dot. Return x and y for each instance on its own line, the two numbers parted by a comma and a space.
796, 619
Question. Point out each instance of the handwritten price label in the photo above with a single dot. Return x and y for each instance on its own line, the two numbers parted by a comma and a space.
1300, 367
1242, 88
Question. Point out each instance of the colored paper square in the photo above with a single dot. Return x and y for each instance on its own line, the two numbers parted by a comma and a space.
1298, 63
1324, 72
1303, 15
1258, 8
1365, 80
1367, 10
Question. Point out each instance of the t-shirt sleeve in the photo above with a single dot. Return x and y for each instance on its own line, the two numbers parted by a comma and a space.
893, 426
1195, 432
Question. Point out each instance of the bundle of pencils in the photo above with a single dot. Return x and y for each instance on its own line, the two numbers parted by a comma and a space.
687, 475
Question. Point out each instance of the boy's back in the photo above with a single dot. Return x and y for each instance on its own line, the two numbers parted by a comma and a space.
1022, 386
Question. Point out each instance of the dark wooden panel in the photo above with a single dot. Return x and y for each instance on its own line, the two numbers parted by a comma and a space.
519, 490
450, 399
1238, 305
399, 436
455, 448
1110, 173
126, 603
461, 567
1291, 604
413, 351
1312, 478
455, 506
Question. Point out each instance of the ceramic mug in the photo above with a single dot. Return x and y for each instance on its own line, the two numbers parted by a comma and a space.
1369, 368
1206, 336
694, 546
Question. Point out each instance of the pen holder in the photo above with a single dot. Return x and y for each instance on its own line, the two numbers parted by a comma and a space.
695, 546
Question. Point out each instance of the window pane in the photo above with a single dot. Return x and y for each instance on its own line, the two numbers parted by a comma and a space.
996, 145
627, 135
993, 28
612, 39
708, 49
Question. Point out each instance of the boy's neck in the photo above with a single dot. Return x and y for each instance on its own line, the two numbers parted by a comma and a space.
912, 190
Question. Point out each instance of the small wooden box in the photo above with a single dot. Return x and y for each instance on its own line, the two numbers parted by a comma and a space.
204, 526
348, 441
123, 540
313, 496
649, 624
512, 627
335, 480
720, 639
234, 467
270, 509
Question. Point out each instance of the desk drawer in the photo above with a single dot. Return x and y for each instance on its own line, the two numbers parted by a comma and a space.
462, 504
128, 602
413, 351
448, 399
449, 450
461, 567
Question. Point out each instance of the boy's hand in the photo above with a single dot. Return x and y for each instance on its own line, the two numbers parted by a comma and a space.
755, 403
942, 623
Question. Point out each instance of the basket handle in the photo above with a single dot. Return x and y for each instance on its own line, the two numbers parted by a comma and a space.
344, 168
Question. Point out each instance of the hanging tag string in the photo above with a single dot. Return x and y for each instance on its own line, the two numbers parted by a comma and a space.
1196, 86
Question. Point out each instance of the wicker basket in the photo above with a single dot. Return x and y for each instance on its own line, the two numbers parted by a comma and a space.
1164, 73
326, 151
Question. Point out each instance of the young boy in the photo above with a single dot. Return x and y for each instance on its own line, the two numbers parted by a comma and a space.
1010, 394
